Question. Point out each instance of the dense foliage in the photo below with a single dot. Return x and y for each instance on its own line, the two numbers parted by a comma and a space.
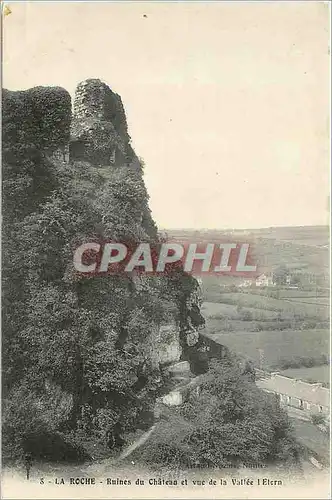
75, 364
227, 422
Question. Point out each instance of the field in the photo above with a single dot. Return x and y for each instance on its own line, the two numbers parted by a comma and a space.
313, 374
311, 300
289, 308
302, 294
230, 311
264, 337
269, 347
277, 328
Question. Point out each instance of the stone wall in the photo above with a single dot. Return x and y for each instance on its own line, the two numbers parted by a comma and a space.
90, 99
99, 127
164, 345
95, 99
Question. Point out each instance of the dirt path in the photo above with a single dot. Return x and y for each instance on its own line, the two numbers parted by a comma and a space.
139, 442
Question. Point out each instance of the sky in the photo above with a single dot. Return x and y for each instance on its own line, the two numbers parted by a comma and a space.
226, 102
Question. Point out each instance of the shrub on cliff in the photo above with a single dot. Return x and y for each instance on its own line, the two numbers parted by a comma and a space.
84, 335
34, 121
230, 422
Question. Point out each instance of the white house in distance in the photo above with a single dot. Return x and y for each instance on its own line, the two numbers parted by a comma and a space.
260, 281
264, 280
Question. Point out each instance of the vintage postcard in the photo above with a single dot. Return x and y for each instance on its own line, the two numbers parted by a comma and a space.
165, 250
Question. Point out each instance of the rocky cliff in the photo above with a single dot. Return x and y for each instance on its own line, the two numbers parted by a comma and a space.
99, 136
69, 175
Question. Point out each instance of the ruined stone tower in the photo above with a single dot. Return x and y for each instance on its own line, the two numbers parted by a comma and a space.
99, 127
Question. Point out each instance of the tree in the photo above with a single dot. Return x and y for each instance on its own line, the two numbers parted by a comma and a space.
228, 423
280, 275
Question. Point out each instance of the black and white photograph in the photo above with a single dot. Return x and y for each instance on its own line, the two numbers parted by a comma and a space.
165, 250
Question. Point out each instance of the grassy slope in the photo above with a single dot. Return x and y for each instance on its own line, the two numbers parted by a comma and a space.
287, 307
316, 373
213, 309
276, 344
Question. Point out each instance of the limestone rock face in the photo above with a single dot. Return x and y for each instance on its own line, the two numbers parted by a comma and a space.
164, 345
192, 338
195, 320
173, 398
179, 368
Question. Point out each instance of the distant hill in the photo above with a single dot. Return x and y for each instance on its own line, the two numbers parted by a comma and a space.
298, 247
